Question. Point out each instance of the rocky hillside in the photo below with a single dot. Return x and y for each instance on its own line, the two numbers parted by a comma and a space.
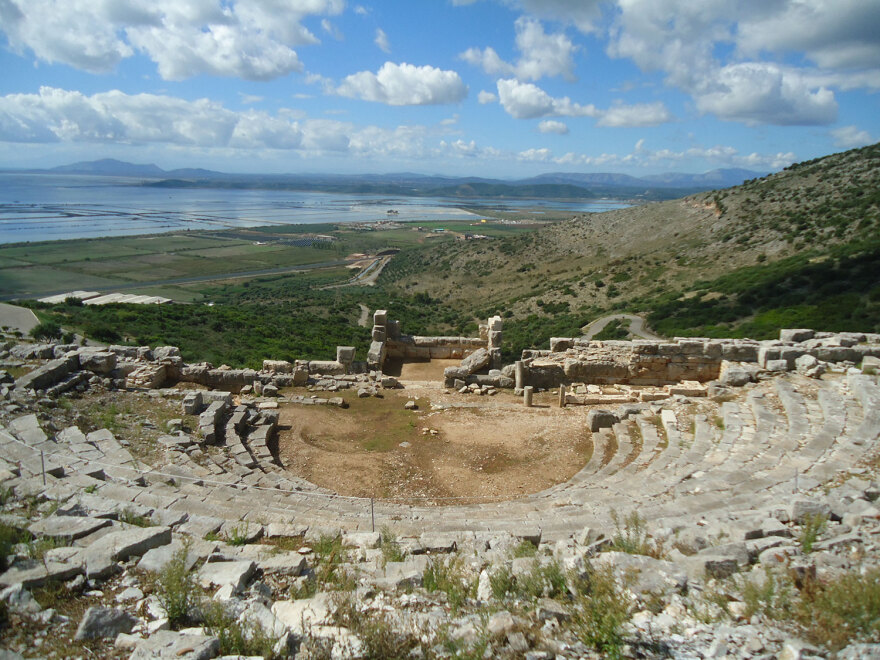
769, 232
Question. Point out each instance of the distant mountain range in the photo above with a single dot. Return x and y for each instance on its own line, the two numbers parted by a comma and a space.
113, 167
561, 185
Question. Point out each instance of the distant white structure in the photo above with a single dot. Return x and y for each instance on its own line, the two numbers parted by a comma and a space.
98, 298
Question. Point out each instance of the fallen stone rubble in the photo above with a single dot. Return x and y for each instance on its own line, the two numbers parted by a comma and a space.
690, 603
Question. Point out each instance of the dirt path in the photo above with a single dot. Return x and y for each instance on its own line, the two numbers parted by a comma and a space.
364, 318
376, 448
637, 326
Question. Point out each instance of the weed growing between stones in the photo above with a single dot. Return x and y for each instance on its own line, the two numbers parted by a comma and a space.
38, 547
812, 528
240, 636
525, 549
9, 537
842, 611
599, 611
130, 517
542, 581
771, 597
378, 636
238, 535
390, 547
632, 537
449, 576
329, 571
176, 588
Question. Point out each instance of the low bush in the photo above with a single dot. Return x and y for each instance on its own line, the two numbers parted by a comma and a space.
632, 536
239, 636
449, 576
599, 611
176, 588
379, 638
842, 611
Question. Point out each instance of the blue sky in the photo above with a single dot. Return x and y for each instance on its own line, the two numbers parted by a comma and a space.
500, 88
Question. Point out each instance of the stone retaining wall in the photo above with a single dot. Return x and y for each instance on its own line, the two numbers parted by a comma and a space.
643, 362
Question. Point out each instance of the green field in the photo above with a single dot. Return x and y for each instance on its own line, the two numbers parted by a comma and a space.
146, 264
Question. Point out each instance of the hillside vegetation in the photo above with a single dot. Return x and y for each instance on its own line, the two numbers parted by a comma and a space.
800, 247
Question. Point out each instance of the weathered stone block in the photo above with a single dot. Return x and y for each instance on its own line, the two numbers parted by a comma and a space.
277, 366
49, 374
601, 419
345, 354
796, 335
99, 362
476, 361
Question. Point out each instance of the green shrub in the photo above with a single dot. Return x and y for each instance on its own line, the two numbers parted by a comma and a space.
599, 611
46, 330
238, 635
774, 597
176, 588
632, 537
391, 550
379, 638
842, 611
811, 528
448, 575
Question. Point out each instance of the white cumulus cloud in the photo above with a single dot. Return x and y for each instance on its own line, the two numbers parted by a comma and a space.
850, 137
528, 101
765, 93
57, 115
405, 84
251, 39
541, 54
553, 126
485, 97
639, 114
720, 53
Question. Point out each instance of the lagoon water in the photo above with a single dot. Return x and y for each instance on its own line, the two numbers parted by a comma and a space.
44, 207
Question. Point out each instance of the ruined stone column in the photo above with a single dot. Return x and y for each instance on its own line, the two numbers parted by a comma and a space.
493, 338
562, 396
376, 354
519, 374
528, 391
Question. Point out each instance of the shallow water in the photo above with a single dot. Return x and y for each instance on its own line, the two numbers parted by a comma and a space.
40, 207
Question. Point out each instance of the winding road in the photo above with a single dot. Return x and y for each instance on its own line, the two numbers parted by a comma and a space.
637, 326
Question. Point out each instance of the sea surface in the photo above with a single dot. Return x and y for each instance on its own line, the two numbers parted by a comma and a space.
45, 207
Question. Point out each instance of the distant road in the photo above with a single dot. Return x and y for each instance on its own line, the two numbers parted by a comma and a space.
17, 318
637, 326
188, 280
